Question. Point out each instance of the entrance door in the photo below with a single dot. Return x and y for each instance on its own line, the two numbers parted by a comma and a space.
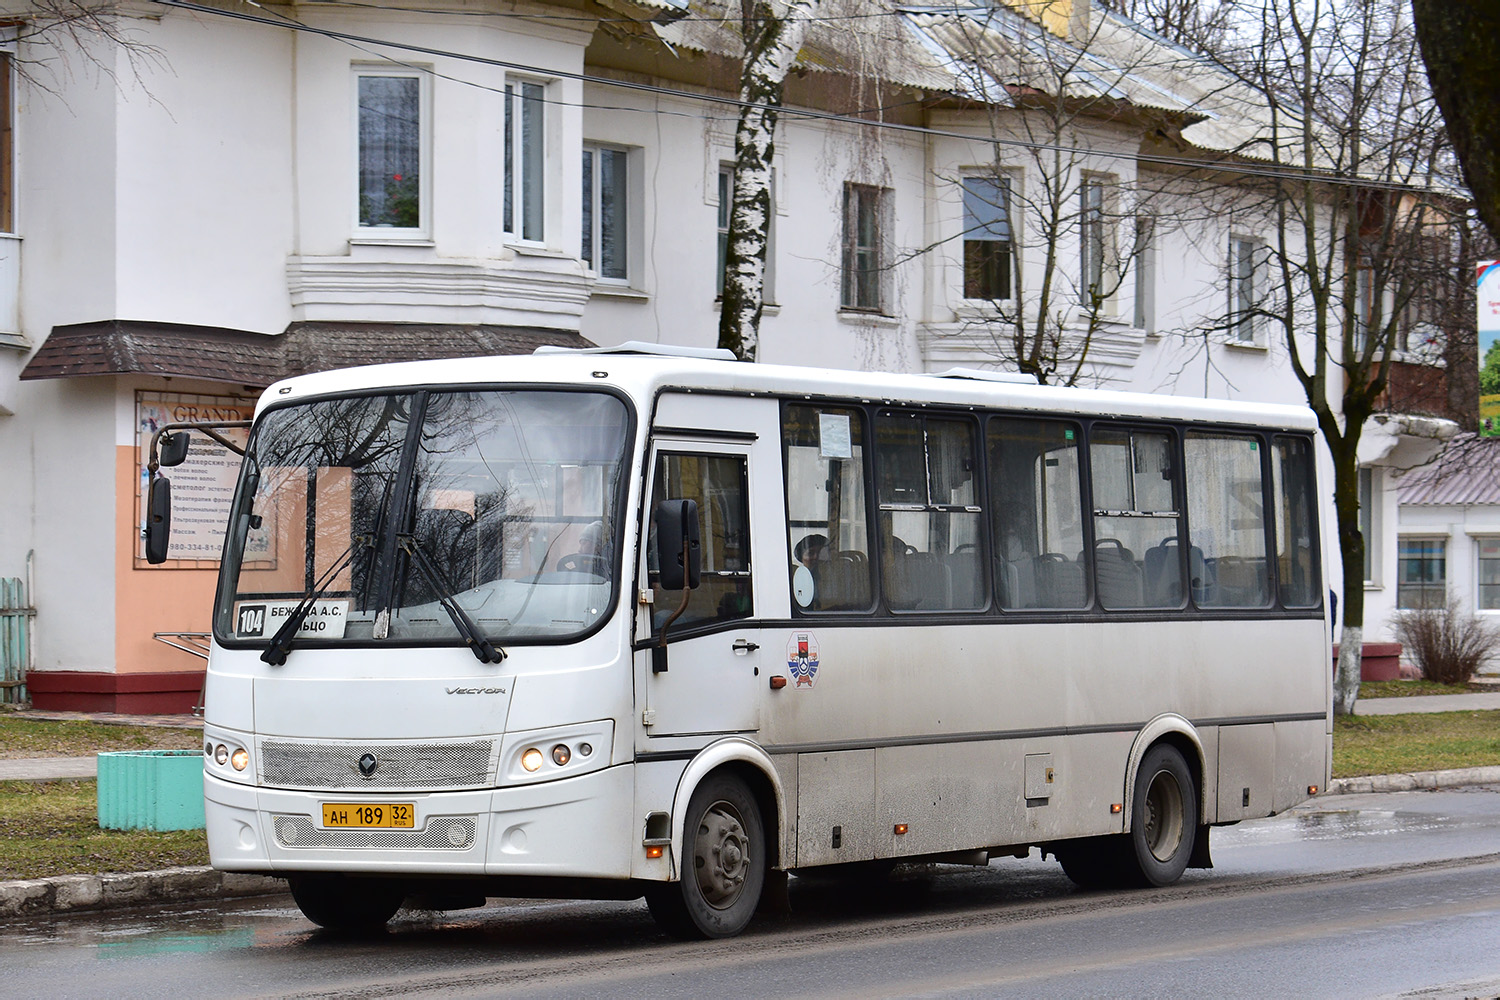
707, 680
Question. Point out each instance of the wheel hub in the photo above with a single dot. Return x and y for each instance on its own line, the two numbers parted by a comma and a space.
721, 855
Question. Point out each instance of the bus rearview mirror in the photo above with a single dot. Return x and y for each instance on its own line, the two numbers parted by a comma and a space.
676, 535
172, 449
158, 518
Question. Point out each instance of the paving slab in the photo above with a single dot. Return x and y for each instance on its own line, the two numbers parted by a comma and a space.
1480, 701
49, 768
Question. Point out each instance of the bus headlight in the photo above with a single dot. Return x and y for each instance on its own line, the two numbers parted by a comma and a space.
561, 754
221, 754
240, 759
531, 759
556, 752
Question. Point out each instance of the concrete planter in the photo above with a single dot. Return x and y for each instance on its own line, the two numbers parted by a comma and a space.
151, 790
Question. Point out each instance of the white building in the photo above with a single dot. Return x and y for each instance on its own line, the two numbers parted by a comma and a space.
230, 199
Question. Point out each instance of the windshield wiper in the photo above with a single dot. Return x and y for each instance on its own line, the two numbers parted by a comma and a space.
484, 650
281, 642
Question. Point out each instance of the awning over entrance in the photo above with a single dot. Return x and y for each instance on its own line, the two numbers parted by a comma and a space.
217, 354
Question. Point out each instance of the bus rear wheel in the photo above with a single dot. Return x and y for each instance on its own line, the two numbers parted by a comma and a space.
723, 868
1163, 818
347, 904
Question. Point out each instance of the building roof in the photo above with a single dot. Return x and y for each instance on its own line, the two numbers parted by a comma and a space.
215, 354
1466, 473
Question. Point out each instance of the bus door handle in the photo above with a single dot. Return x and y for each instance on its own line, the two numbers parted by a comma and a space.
745, 646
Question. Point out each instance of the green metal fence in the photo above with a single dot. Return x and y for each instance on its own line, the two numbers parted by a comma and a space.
16, 614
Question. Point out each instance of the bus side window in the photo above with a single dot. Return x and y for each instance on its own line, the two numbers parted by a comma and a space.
717, 483
1226, 510
1292, 479
827, 510
1137, 523
1036, 507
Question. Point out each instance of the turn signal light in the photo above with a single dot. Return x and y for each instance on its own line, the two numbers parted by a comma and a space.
561, 754
653, 852
531, 760
900, 829
1312, 789
1115, 808
221, 754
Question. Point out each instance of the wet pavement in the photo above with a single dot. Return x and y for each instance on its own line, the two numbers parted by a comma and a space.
1362, 895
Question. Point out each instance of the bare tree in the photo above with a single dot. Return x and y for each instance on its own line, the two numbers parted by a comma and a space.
1345, 224
1198, 24
1052, 231
772, 31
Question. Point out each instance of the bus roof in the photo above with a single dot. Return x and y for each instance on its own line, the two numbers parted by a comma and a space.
642, 371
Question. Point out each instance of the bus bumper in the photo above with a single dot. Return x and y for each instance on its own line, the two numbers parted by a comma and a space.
575, 827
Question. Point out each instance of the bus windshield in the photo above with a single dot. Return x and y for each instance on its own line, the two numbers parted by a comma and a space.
383, 507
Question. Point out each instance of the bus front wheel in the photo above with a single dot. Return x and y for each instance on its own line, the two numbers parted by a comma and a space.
1163, 818
723, 868
347, 904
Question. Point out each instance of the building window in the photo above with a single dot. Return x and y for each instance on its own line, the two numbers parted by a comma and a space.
7, 140
726, 208
862, 239
1489, 575
1093, 240
987, 238
606, 207
525, 123
1422, 579
391, 130
1246, 289
1145, 274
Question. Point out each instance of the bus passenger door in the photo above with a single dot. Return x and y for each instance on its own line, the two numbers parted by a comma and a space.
705, 680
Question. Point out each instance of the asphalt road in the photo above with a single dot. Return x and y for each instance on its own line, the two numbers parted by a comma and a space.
1351, 896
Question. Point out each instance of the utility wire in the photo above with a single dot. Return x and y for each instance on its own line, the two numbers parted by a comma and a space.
1224, 165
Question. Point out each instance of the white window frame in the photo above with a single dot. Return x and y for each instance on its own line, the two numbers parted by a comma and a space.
1479, 540
398, 234
628, 213
1370, 494
1144, 267
848, 209
1446, 558
1007, 182
1096, 245
1246, 288
515, 175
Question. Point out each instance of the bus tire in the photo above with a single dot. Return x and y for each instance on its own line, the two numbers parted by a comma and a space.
1163, 818
347, 904
723, 865
1093, 862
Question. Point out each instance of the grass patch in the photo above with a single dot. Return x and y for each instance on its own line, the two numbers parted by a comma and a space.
52, 828
1410, 689
44, 738
1389, 744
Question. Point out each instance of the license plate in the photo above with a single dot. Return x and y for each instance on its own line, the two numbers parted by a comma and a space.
341, 815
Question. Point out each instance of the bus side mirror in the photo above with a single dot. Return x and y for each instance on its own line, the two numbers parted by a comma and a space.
158, 518
172, 449
676, 529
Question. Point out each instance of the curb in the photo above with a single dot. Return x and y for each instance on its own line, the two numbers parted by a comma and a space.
40, 897
1415, 781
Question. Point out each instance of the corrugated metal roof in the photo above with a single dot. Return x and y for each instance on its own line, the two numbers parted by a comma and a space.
1466, 473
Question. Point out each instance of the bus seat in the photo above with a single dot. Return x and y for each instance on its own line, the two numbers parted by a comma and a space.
1059, 581
964, 578
842, 582
1120, 584
918, 582
1242, 582
1164, 574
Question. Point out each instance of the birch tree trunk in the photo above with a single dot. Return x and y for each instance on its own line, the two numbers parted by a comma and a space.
773, 32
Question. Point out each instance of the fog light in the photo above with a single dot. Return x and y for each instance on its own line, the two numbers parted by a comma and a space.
221, 754
457, 834
531, 759
240, 759
561, 754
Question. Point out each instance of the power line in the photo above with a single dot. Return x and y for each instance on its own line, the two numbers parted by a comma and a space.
1225, 165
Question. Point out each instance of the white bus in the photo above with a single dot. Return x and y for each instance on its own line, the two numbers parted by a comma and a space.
654, 622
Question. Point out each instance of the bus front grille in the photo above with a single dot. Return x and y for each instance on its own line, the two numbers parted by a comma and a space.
448, 833
377, 767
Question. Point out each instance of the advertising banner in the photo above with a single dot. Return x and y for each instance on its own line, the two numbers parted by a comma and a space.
1487, 298
202, 486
